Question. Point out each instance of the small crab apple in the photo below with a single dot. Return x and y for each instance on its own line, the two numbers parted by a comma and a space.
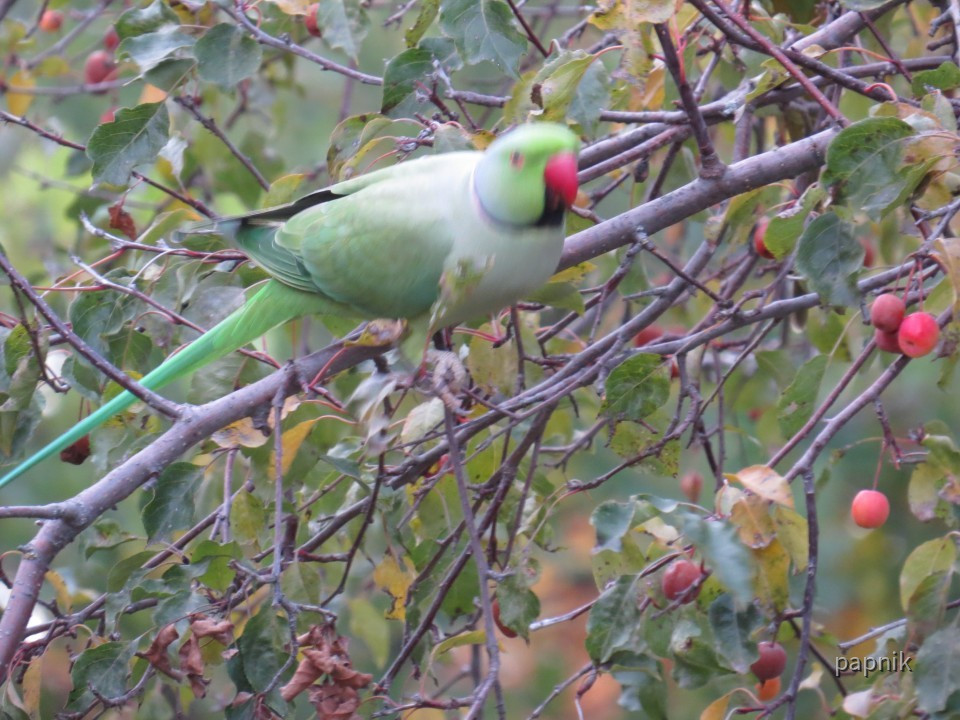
99, 67
759, 235
887, 341
772, 661
310, 20
647, 335
869, 254
887, 312
870, 509
108, 116
918, 334
677, 580
111, 39
51, 20
691, 484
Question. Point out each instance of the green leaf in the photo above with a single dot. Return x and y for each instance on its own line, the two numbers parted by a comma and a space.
724, 554
96, 317
555, 86
136, 136
829, 256
168, 73
593, 94
928, 558
343, 23
493, 368
103, 668
425, 17
519, 606
637, 387
786, 226
796, 404
732, 630
171, 507
793, 534
561, 295
484, 30
261, 645
612, 520
936, 675
945, 77
146, 20
225, 55
642, 687
616, 622
148, 50
868, 162
402, 74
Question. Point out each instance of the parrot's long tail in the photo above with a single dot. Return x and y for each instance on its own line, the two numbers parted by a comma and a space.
274, 304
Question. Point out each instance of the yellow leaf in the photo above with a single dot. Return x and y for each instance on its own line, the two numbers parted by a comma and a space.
754, 524
19, 103
292, 7
859, 704
474, 637
718, 708
765, 482
574, 274
395, 579
291, 441
32, 685
152, 94
64, 599
242, 432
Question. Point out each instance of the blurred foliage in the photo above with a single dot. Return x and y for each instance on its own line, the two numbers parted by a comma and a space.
227, 108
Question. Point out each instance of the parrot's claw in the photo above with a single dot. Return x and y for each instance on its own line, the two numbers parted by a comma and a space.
449, 378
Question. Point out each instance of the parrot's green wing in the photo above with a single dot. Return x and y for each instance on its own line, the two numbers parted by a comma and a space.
333, 242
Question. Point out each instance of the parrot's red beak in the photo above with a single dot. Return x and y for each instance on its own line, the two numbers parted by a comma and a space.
560, 177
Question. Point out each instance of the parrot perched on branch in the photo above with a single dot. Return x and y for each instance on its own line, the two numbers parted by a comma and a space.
436, 241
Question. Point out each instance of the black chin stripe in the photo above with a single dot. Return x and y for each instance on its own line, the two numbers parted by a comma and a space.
553, 210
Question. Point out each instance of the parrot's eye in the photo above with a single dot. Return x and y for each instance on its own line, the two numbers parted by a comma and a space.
516, 160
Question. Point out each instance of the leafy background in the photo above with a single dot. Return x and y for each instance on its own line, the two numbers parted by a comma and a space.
287, 116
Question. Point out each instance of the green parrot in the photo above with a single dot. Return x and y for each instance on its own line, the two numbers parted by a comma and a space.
436, 241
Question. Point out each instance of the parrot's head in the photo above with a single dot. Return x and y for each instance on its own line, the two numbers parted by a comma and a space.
529, 175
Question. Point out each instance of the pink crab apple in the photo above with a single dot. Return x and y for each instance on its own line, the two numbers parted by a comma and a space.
918, 334
870, 508
677, 580
887, 312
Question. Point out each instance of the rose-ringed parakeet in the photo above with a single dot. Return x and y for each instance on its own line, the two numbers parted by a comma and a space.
437, 241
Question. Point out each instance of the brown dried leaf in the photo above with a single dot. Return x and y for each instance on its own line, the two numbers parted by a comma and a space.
334, 702
191, 662
306, 674
120, 220
156, 654
219, 630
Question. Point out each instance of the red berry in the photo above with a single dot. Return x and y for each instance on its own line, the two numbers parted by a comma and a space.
51, 20
78, 452
870, 509
108, 116
111, 39
99, 67
887, 341
918, 334
759, 233
310, 20
496, 619
677, 580
674, 369
647, 335
887, 312
772, 661
691, 484
869, 255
